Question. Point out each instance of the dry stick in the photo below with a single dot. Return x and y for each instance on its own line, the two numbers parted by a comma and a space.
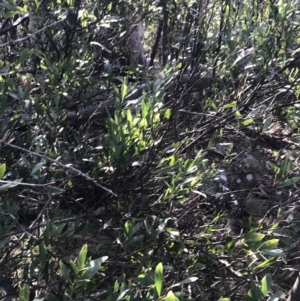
77, 171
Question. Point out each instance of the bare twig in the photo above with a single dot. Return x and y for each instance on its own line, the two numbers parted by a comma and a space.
77, 171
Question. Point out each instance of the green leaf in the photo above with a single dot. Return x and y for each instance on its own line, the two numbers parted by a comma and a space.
168, 113
274, 252
127, 227
267, 124
170, 297
229, 243
266, 263
269, 244
74, 266
64, 271
224, 299
24, 293
116, 286
4, 242
230, 105
129, 118
122, 295
124, 89
11, 13
82, 257
285, 167
2, 170
254, 237
254, 294
266, 284
212, 104
25, 53
238, 114
91, 269
247, 121
42, 252
5, 70
289, 182
9, 5
158, 278
37, 167
276, 296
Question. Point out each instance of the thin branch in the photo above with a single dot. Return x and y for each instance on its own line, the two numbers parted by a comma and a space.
77, 171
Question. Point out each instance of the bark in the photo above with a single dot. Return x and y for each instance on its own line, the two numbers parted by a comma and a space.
136, 48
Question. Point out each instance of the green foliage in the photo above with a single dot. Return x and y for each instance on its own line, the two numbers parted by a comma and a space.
112, 196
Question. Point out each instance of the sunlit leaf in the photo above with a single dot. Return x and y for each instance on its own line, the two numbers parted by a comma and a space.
254, 237
266, 263
170, 297
168, 113
124, 89
82, 257
2, 170
90, 270
269, 244
247, 121
230, 105
158, 278
212, 104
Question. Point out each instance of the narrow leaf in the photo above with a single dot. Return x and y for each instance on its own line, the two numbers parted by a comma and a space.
2, 170
158, 278
289, 182
266, 283
82, 257
64, 271
267, 124
37, 167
